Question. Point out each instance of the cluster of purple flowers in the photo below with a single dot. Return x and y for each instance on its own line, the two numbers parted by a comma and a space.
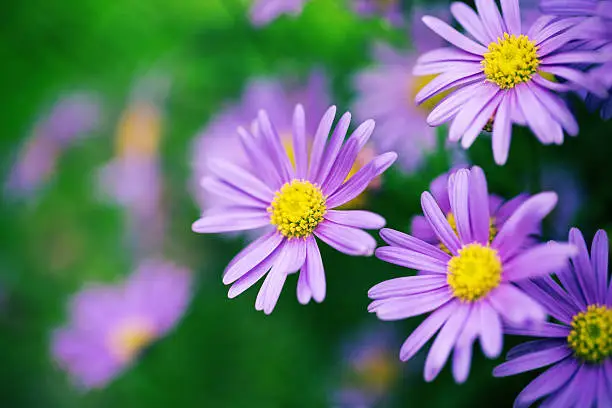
276, 166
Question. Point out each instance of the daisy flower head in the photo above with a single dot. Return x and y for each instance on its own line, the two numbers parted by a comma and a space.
295, 202
578, 344
263, 12
595, 30
469, 288
112, 324
499, 211
499, 75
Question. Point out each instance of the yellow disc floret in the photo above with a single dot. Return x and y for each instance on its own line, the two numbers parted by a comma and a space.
474, 272
591, 335
130, 338
298, 207
511, 60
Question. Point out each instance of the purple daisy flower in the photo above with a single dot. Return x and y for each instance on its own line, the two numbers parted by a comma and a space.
111, 324
219, 138
263, 12
470, 289
498, 77
578, 344
73, 117
390, 10
595, 30
295, 203
499, 211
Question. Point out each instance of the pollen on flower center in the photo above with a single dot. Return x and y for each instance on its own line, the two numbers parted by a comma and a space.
453, 223
511, 60
129, 339
298, 207
591, 335
474, 272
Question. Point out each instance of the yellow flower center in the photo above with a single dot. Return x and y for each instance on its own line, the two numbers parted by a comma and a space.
139, 131
591, 335
474, 272
511, 60
298, 207
128, 340
453, 223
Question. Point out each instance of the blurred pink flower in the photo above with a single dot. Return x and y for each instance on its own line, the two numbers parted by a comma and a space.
264, 12
110, 325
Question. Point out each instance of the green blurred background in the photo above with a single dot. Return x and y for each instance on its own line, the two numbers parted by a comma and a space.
223, 353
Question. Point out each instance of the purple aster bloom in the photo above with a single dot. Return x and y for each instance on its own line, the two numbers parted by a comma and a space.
499, 211
110, 325
498, 75
263, 12
295, 203
73, 117
390, 10
470, 289
578, 344
219, 138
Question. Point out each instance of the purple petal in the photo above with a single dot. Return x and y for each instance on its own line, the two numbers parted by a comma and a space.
491, 19
512, 15
447, 54
300, 148
502, 132
332, 148
462, 359
468, 18
520, 224
537, 116
420, 229
557, 108
555, 86
532, 361
551, 296
314, 270
481, 119
588, 390
255, 152
449, 80
356, 218
542, 259
515, 306
410, 285
399, 239
548, 330
320, 138
270, 291
599, 259
534, 346
459, 200
241, 179
444, 342
453, 36
253, 276
491, 333
251, 256
304, 294
359, 182
582, 266
277, 153
341, 168
232, 194
439, 190
411, 259
426, 330
232, 221
348, 240
439, 224
550, 381
575, 57
579, 78
479, 205
567, 395
452, 104
398, 308
469, 112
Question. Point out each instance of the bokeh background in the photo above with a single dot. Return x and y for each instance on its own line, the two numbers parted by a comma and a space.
194, 57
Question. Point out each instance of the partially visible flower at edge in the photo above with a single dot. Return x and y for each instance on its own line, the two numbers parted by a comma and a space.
110, 325
578, 344
470, 289
295, 204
